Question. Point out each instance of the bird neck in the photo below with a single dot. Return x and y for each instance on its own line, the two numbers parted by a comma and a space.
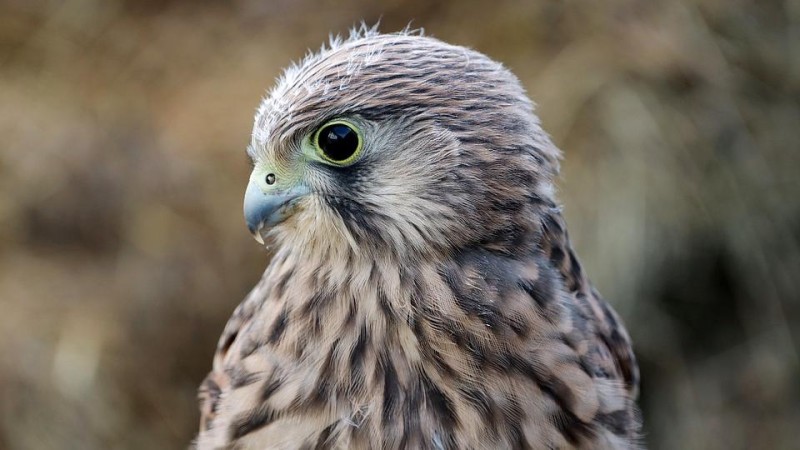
355, 316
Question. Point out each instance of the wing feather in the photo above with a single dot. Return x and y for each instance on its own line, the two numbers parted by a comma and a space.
610, 350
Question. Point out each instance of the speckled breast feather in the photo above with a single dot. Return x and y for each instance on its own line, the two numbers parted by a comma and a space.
425, 296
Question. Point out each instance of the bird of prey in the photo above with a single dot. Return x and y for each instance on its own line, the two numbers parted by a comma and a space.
423, 292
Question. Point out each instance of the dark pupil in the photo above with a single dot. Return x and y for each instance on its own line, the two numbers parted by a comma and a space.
338, 141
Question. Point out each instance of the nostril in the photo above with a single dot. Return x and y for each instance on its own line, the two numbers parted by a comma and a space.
270, 178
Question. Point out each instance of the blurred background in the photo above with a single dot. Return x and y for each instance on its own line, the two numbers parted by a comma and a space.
123, 250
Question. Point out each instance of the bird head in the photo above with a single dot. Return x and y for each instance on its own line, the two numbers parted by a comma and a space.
401, 142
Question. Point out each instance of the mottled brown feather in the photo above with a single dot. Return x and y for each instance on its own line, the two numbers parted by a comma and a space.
426, 296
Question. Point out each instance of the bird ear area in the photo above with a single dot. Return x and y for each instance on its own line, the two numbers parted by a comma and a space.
338, 142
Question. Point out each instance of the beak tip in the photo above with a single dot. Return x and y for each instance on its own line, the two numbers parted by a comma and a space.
257, 236
255, 227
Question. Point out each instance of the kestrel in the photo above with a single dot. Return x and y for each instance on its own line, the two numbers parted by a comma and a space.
423, 292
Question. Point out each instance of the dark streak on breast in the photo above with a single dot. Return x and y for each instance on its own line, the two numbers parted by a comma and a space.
252, 420
278, 327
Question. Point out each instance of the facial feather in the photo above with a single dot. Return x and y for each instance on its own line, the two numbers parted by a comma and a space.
449, 136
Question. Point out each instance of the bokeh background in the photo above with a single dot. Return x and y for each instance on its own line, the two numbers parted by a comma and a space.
123, 249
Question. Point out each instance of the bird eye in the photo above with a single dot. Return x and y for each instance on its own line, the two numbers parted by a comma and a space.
338, 142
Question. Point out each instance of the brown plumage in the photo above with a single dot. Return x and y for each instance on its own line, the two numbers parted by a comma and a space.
423, 292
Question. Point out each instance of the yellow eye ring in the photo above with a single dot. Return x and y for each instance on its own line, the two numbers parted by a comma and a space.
338, 142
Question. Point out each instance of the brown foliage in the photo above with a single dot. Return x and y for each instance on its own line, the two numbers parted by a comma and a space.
122, 169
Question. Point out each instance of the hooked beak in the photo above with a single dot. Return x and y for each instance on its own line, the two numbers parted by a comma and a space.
266, 207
